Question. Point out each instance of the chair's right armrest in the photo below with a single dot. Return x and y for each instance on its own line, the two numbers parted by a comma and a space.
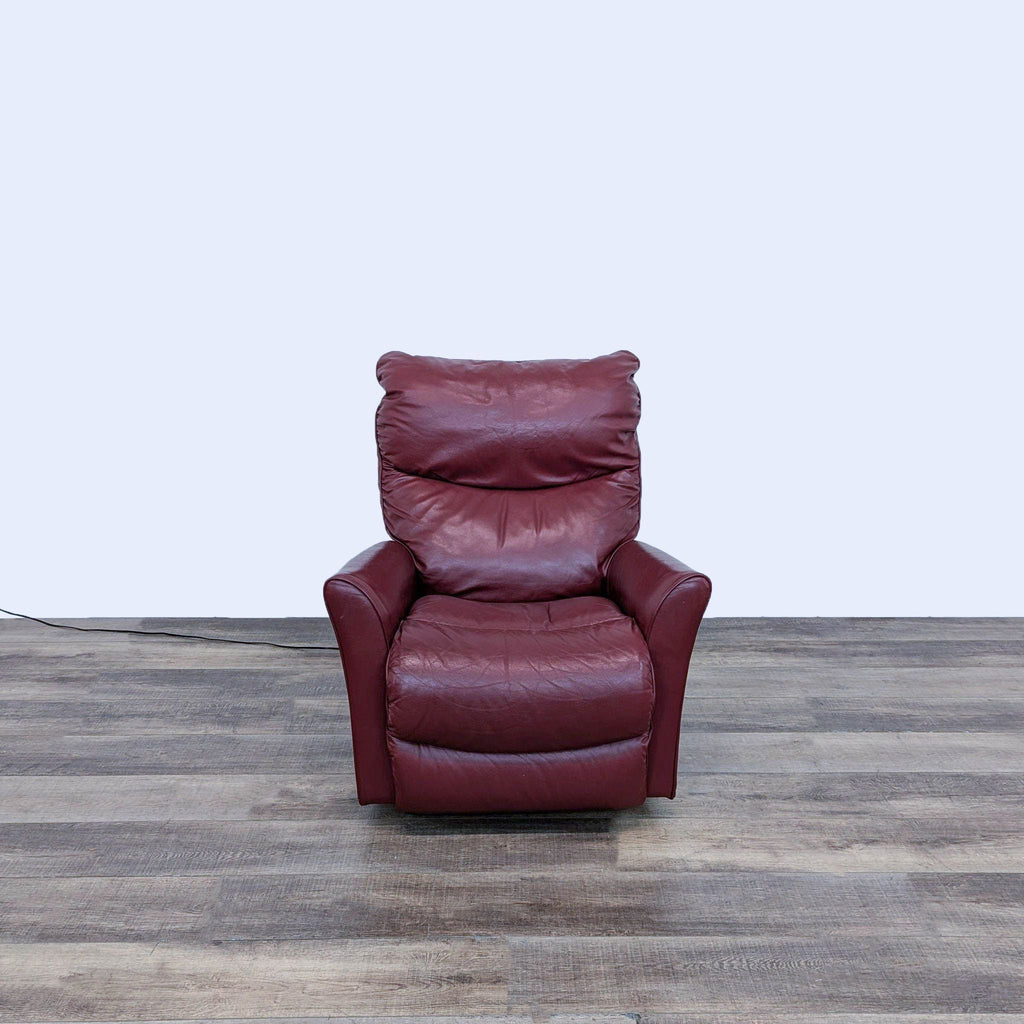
366, 601
667, 599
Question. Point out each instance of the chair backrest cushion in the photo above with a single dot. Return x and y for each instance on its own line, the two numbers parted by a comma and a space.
509, 481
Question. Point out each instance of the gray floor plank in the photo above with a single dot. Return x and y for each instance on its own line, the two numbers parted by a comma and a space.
317, 979
502, 903
156, 716
38, 679
823, 752
957, 842
267, 847
52, 798
174, 753
771, 974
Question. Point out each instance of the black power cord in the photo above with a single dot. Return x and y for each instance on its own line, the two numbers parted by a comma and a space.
160, 632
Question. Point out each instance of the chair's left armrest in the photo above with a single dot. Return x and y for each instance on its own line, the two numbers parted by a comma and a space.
367, 600
667, 599
385, 576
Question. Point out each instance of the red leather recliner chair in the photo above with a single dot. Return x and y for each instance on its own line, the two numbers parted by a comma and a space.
513, 648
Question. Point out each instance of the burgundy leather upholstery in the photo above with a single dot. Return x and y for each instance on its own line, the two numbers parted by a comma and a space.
434, 780
518, 678
366, 600
513, 648
509, 481
667, 599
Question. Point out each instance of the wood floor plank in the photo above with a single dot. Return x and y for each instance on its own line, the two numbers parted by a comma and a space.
422, 905
777, 796
53, 798
35, 678
154, 653
954, 843
795, 753
107, 909
98, 980
299, 847
770, 974
175, 753
707, 712
612, 903
880, 652
836, 679
156, 716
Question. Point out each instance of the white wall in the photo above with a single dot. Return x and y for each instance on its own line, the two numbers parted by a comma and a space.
805, 218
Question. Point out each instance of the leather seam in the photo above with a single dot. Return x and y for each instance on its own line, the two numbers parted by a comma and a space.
513, 629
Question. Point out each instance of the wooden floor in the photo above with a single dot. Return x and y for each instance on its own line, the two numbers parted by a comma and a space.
179, 840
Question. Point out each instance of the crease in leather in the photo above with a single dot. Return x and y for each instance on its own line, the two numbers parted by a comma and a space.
492, 487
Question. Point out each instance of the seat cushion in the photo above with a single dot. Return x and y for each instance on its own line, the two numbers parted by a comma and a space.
518, 678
